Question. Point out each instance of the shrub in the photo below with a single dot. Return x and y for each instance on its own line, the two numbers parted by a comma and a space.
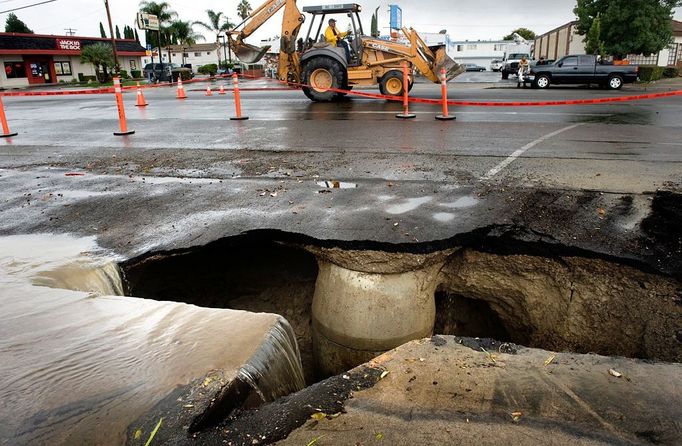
184, 74
123, 74
136, 74
210, 69
671, 72
650, 73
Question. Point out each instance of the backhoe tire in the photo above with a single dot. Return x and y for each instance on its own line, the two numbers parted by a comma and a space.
320, 74
392, 84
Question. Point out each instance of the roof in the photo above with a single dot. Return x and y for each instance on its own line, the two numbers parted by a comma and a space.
17, 43
677, 27
333, 9
575, 22
190, 48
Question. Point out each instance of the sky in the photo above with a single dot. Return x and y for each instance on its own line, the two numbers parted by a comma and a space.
463, 19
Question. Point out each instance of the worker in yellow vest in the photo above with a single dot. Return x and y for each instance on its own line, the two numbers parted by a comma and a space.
335, 38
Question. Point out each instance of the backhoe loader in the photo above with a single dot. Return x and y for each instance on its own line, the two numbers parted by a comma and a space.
320, 68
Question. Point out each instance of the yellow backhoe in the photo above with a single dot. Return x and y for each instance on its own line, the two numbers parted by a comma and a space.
321, 68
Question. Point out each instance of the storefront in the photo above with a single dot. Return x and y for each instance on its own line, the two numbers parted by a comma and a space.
29, 59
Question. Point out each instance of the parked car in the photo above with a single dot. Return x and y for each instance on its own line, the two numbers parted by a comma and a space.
473, 67
170, 71
496, 65
583, 70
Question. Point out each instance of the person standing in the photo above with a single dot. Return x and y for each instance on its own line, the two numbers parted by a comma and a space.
335, 38
523, 70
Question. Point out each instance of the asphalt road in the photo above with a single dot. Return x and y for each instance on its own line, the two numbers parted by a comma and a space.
189, 175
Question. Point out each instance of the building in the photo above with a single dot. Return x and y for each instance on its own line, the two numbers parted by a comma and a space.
31, 59
565, 40
480, 52
195, 55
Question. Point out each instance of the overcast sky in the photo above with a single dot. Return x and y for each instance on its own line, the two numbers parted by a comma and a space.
463, 19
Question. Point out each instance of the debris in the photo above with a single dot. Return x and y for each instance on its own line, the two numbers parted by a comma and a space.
138, 434
396, 224
516, 416
379, 436
314, 440
615, 373
490, 355
156, 429
318, 416
438, 341
188, 406
549, 360
274, 194
74, 174
384, 374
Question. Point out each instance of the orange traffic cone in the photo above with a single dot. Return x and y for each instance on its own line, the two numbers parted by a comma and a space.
181, 91
141, 102
222, 90
208, 91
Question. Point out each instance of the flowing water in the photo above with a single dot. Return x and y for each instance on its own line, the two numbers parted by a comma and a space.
79, 362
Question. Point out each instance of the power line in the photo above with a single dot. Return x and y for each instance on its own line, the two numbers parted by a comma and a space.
28, 6
70, 31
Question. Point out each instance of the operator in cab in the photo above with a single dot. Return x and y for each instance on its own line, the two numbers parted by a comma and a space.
335, 37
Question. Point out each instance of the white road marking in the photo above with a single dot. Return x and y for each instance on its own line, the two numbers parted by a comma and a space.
511, 158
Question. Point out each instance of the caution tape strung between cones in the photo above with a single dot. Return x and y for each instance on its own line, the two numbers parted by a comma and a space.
455, 103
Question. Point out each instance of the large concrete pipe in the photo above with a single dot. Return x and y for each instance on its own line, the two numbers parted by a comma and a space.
359, 315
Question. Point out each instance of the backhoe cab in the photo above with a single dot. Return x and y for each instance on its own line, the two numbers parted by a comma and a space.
322, 69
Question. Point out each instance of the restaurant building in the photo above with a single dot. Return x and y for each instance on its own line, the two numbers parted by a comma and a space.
30, 59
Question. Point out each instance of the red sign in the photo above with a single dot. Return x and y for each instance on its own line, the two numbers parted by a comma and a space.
68, 45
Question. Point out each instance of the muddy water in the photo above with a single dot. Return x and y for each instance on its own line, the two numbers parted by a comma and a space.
77, 367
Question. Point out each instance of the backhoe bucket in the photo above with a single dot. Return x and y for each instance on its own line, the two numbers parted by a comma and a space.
248, 53
452, 68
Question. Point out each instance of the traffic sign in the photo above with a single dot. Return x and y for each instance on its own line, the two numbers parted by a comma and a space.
147, 21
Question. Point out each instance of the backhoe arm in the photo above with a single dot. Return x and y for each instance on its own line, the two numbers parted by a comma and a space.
291, 25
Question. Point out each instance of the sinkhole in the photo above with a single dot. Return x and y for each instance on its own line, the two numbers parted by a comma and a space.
347, 306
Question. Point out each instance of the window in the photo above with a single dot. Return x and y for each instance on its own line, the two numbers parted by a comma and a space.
197, 54
586, 60
208, 53
673, 57
133, 65
570, 61
185, 54
499, 47
15, 70
460, 47
472, 47
62, 68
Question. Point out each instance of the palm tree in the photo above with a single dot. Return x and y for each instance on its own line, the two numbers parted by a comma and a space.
216, 24
99, 54
244, 9
184, 34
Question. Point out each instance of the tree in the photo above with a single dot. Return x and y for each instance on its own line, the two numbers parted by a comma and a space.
136, 36
118, 33
217, 23
14, 25
244, 9
628, 26
102, 33
99, 54
165, 14
184, 35
523, 32
375, 24
593, 42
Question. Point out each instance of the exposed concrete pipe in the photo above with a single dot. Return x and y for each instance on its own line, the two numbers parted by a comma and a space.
359, 315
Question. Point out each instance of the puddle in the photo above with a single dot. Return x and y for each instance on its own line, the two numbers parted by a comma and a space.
408, 205
336, 185
462, 203
444, 217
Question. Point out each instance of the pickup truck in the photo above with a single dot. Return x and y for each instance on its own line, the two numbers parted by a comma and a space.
583, 70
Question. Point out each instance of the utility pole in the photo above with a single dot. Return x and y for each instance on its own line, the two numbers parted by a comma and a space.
70, 31
113, 38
